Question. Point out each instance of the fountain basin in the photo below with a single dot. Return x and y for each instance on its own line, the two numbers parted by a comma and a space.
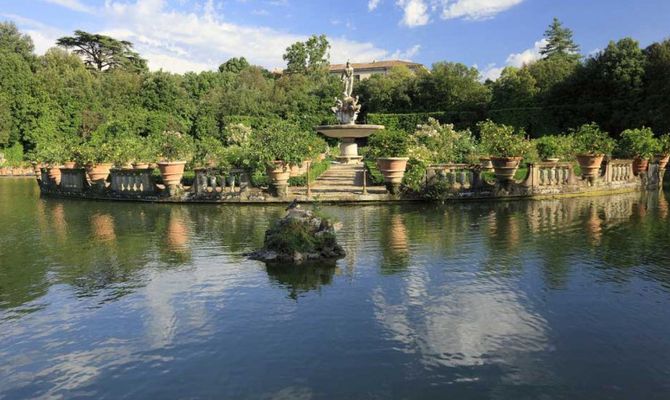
348, 135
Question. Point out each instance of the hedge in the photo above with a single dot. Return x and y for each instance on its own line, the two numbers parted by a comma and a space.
408, 122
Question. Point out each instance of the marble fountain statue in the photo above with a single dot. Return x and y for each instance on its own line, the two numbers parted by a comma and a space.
346, 110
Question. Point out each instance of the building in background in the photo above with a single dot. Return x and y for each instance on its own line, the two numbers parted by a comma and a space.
363, 71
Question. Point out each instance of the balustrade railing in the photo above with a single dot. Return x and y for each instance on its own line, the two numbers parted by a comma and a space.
132, 181
458, 176
619, 170
215, 181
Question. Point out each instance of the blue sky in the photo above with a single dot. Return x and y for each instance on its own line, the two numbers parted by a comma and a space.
182, 35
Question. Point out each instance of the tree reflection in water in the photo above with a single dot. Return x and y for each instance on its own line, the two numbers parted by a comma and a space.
300, 279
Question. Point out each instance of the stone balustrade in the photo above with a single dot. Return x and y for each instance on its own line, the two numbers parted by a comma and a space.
550, 175
457, 176
618, 171
213, 182
132, 181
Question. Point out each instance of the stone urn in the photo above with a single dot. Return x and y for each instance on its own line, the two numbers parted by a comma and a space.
640, 165
505, 167
279, 173
172, 172
590, 164
393, 170
98, 173
486, 164
54, 174
140, 165
662, 160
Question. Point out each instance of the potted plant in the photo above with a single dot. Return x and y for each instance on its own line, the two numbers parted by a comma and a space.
124, 149
208, 152
506, 145
390, 148
591, 145
663, 155
96, 156
144, 154
639, 144
173, 150
553, 148
279, 146
54, 152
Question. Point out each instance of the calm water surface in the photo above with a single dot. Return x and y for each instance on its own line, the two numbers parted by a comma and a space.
564, 299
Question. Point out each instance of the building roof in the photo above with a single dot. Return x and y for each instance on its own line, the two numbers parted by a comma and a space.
375, 65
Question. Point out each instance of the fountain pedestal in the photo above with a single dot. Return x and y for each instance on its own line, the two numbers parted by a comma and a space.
348, 135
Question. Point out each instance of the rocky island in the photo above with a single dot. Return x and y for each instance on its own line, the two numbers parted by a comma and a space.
300, 236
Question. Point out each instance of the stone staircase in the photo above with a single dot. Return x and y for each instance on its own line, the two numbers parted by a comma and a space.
344, 179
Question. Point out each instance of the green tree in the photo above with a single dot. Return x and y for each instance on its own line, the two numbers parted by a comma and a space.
102, 52
234, 65
657, 86
15, 42
309, 56
559, 42
451, 86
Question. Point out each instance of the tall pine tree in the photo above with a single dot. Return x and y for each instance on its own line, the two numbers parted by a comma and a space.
559, 42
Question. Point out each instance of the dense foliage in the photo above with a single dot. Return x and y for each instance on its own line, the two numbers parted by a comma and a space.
99, 103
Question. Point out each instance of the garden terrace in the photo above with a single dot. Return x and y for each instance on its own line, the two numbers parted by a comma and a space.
443, 182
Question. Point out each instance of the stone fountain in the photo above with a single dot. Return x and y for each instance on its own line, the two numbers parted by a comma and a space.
346, 110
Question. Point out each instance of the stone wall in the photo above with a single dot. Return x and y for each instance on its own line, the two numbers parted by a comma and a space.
17, 171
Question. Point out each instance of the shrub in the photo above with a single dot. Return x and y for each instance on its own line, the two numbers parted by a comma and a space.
13, 155
208, 150
638, 143
554, 146
436, 143
502, 140
591, 140
125, 148
284, 141
388, 143
172, 146
664, 144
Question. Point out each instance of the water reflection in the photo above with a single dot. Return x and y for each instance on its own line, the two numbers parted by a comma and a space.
101, 297
300, 279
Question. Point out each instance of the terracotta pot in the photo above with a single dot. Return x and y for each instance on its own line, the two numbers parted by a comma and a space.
393, 168
54, 174
140, 165
505, 167
662, 160
298, 170
552, 160
279, 174
172, 172
69, 165
98, 173
486, 164
590, 164
640, 165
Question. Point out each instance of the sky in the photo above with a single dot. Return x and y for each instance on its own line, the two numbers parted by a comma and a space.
196, 35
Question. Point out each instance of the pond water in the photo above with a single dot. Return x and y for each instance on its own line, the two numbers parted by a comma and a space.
561, 299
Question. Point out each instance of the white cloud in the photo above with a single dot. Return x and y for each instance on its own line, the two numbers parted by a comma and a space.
75, 5
415, 12
475, 9
406, 55
372, 4
527, 56
195, 40
492, 71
